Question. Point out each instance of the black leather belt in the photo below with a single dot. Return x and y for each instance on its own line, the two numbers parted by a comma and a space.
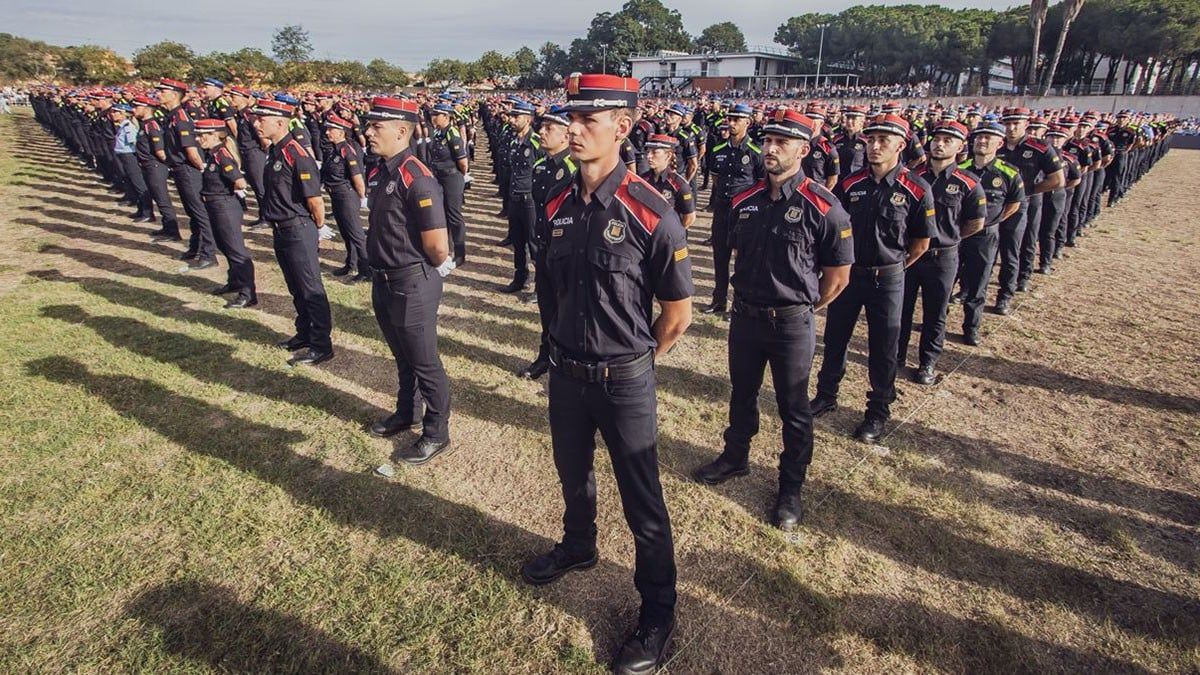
879, 271
402, 273
770, 313
601, 371
290, 222
941, 250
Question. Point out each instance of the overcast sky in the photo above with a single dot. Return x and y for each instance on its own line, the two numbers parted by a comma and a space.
405, 32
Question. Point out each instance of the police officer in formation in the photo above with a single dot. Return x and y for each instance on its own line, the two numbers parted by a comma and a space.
342, 176
660, 158
152, 160
446, 153
183, 158
223, 190
524, 150
741, 167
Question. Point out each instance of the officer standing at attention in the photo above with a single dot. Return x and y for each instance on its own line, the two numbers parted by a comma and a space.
218, 106
409, 251
125, 152
615, 246
251, 148
892, 212
221, 188
1005, 193
447, 153
822, 163
524, 150
660, 155
795, 246
742, 167
342, 176
152, 157
848, 141
961, 207
688, 154
550, 172
184, 159
293, 205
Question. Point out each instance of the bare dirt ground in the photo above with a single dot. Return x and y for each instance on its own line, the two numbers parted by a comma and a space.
175, 498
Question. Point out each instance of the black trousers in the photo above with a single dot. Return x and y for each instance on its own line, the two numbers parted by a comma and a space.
1033, 232
547, 302
200, 240
1012, 233
295, 243
254, 163
721, 251
1116, 176
349, 223
1099, 179
136, 183
932, 277
787, 345
626, 415
1068, 223
453, 190
522, 215
1054, 205
1080, 201
156, 175
977, 256
406, 310
225, 213
880, 294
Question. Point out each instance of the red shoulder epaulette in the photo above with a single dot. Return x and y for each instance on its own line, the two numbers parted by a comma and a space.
406, 175
642, 201
904, 179
293, 146
675, 180
557, 200
748, 193
966, 178
807, 188
1036, 144
854, 179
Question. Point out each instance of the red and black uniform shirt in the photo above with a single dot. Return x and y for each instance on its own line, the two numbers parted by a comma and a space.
1033, 158
149, 142
179, 134
289, 180
886, 215
958, 197
822, 160
221, 171
675, 189
343, 163
405, 200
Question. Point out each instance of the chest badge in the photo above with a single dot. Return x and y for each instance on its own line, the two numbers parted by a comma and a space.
817, 154
559, 175
277, 166
745, 159
793, 214
668, 195
615, 232
951, 189
391, 187
997, 182
897, 199
1027, 154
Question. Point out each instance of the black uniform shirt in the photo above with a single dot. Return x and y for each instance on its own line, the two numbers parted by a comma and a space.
607, 261
149, 141
550, 174
289, 179
674, 188
342, 163
1033, 158
405, 200
221, 171
220, 109
179, 135
822, 160
1001, 184
522, 154
886, 215
957, 198
247, 135
852, 152
783, 244
743, 167
445, 149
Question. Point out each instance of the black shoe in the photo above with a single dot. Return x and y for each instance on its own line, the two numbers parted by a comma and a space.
956, 298
971, 337
504, 242
343, 271
292, 344
550, 566
460, 260
534, 370
1023, 286
242, 301
645, 650
160, 238
706, 242
718, 471
714, 308
870, 430
361, 276
1072, 244
311, 357
924, 375
187, 255
143, 219
788, 511
203, 264
822, 404
1057, 256
392, 425
515, 286
1003, 306
424, 450
257, 224
1044, 268
222, 290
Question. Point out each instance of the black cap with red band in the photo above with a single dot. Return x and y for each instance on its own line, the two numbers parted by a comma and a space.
590, 93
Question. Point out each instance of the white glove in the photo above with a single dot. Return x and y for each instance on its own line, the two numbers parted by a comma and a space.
362, 202
241, 194
467, 178
319, 163
446, 267
325, 232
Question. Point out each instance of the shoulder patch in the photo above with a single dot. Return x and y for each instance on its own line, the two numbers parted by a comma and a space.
854, 179
412, 167
1036, 144
747, 193
914, 188
556, 202
820, 199
644, 203
969, 180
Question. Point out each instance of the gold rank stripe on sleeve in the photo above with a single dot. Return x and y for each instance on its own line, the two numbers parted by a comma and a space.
845, 234
681, 254
425, 203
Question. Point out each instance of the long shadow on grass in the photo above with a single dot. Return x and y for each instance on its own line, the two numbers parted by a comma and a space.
206, 622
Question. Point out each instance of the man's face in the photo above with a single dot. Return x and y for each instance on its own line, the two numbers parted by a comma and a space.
659, 158
987, 144
853, 123
1083, 130
674, 119
521, 122
1038, 132
335, 134
387, 137
212, 93
554, 135
883, 147
1057, 141
782, 153
944, 146
593, 135
440, 120
270, 126
738, 125
1014, 130
169, 97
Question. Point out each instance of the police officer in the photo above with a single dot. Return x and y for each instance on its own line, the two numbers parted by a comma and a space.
550, 173
741, 168
222, 188
218, 105
794, 249
960, 208
848, 142
342, 176
1041, 172
688, 153
447, 154
152, 156
409, 251
251, 148
183, 157
1005, 193
523, 151
1124, 137
615, 246
823, 163
1107, 152
125, 153
293, 205
660, 155
892, 213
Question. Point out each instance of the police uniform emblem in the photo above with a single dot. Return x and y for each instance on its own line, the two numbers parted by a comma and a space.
391, 187
1027, 154
615, 232
897, 199
668, 195
278, 166
951, 189
793, 214
559, 175
745, 159
817, 154
997, 182
526, 152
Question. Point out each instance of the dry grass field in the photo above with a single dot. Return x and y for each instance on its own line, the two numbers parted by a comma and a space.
174, 498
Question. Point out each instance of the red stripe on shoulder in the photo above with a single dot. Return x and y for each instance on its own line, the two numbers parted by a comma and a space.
854, 179
966, 178
748, 193
556, 202
293, 150
905, 179
809, 191
675, 180
645, 215
420, 167
1036, 144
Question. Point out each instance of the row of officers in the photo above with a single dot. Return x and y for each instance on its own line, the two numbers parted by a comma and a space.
614, 287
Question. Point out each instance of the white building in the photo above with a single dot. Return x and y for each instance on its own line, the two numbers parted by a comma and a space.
757, 68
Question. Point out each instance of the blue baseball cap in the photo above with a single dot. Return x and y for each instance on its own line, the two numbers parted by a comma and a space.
287, 98
740, 110
993, 128
521, 108
678, 109
123, 107
445, 108
214, 82
557, 115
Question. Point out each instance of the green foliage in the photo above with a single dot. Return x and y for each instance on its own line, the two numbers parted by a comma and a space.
291, 44
22, 59
91, 64
722, 37
164, 59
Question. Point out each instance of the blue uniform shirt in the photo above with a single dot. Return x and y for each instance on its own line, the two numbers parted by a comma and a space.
126, 139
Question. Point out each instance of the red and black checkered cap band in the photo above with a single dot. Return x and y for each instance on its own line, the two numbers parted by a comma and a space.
384, 108
172, 85
662, 141
270, 108
588, 93
337, 122
1014, 114
888, 123
955, 129
209, 125
790, 123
